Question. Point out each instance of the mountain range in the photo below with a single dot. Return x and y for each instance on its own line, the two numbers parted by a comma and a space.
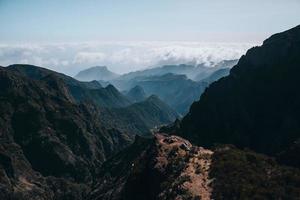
183, 82
240, 140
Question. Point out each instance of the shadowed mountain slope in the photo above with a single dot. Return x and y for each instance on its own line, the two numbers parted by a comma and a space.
80, 91
257, 105
43, 133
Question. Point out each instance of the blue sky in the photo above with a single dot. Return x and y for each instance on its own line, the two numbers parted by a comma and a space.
140, 20
128, 35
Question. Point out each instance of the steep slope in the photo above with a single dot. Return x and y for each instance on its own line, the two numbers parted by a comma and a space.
136, 94
80, 91
177, 91
43, 133
96, 73
130, 120
169, 167
257, 105
166, 167
143, 116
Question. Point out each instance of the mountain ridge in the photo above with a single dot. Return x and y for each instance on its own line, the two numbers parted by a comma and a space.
256, 106
96, 73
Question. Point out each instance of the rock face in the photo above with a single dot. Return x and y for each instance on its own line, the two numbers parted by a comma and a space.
43, 133
257, 105
166, 167
96, 73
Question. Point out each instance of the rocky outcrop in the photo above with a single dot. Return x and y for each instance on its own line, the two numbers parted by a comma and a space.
166, 167
169, 167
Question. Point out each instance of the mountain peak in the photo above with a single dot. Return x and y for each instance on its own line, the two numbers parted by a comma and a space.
257, 105
96, 73
136, 94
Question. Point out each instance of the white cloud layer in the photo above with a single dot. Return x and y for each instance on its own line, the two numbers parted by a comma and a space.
120, 57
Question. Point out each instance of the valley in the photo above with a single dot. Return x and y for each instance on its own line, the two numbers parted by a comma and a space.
230, 130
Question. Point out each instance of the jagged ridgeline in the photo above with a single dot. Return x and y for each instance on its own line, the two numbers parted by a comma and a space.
257, 105
65, 139
56, 131
113, 107
49, 145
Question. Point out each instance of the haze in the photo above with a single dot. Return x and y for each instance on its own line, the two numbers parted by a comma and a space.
71, 35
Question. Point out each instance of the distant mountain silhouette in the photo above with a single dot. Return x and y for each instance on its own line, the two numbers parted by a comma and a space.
177, 91
136, 94
206, 72
217, 75
193, 72
96, 73
142, 116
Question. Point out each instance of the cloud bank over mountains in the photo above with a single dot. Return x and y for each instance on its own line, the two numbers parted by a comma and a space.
120, 57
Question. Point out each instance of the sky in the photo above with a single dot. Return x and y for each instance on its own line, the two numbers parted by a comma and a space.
32, 30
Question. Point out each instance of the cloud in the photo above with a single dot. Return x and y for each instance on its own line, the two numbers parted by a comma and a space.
120, 57
89, 57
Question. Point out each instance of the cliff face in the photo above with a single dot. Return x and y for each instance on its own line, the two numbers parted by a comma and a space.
43, 133
257, 105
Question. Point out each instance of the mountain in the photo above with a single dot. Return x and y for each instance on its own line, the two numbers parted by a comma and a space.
96, 73
80, 91
142, 116
174, 81
50, 147
136, 94
170, 167
217, 75
130, 119
206, 72
177, 91
258, 105
193, 72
